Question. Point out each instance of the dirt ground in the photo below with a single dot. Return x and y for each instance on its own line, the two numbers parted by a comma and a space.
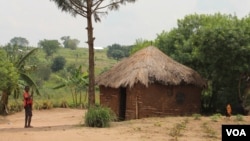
61, 124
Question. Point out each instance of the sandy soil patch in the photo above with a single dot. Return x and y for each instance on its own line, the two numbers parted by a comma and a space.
61, 124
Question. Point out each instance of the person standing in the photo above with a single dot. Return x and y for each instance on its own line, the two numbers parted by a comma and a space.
27, 98
229, 111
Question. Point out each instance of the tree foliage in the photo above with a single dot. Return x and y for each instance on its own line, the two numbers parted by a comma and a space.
15, 64
140, 44
8, 73
19, 41
43, 72
76, 82
8, 77
118, 52
49, 46
70, 43
218, 47
58, 63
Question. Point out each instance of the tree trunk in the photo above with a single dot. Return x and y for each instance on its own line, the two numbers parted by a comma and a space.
213, 99
80, 99
91, 100
73, 97
75, 94
4, 103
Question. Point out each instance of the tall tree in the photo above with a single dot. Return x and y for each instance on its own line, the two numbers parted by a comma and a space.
218, 47
16, 67
8, 78
19, 41
118, 52
49, 46
90, 9
70, 43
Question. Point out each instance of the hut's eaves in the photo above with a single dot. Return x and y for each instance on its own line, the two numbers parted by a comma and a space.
146, 66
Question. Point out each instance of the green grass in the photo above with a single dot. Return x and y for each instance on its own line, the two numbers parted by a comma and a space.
73, 57
80, 57
98, 116
216, 117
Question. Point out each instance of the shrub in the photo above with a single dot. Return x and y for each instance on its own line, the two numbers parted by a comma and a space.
176, 130
215, 117
43, 105
58, 63
47, 105
15, 107
197, 116
98, 116
64, 104
209, 130
239, 117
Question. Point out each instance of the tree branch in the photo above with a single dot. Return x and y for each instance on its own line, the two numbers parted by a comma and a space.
97, 4
113, 3
78, 8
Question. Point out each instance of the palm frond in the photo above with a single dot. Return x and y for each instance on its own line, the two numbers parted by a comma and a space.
22, 59
30, 82
60, 86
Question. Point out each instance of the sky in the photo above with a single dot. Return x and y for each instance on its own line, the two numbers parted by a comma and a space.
37, 20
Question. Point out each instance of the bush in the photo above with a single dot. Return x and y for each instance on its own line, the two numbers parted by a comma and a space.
58, 63
239, 117
43, 105
98, 116
64, 104
15, 107
196, 116
215, 117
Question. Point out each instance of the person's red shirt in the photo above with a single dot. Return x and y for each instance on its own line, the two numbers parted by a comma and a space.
27, 99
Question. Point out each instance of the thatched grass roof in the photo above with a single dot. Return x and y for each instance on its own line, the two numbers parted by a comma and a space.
146, 66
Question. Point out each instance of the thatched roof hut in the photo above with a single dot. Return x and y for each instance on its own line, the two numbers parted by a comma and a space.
147, 69
147, 66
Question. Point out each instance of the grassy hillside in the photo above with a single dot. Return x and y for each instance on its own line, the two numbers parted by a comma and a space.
50, 96
80, 57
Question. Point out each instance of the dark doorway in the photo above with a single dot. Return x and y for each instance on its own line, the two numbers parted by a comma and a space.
122, 108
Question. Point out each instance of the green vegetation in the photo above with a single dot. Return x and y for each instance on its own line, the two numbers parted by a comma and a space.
216, 46
196, 116
239, 117
47, 80
98, 116
58, 63
98, 9
74, 59
70, 43
216, 117
209, 131
17, 69
176, 131
118, 52
49, 46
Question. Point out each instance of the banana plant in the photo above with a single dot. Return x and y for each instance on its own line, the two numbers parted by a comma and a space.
18, 60
77, 82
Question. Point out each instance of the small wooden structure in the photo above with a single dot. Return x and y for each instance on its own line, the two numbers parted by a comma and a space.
149, 83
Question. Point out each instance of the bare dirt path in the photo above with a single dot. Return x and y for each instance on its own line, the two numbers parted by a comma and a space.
61, 124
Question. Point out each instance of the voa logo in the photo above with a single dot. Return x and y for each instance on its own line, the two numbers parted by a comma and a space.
236, 132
